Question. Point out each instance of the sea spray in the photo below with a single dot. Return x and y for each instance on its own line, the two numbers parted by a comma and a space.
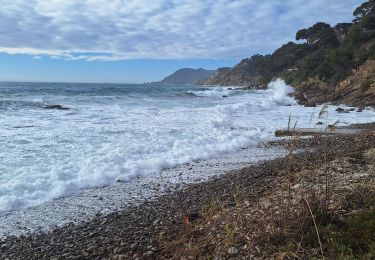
281, 92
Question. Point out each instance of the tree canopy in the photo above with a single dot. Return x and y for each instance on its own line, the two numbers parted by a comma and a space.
314, 33
365, 9
329, 53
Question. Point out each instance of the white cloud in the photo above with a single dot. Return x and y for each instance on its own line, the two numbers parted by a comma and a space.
158, 29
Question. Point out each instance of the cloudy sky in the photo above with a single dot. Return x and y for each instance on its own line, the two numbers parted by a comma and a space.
139, 40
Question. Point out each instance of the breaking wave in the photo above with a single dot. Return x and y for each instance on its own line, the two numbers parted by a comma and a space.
118, 138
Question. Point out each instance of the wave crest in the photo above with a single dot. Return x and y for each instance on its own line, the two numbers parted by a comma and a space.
213, 92
281, 92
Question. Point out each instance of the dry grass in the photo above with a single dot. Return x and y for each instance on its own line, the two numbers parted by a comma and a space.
279, 223
299, 217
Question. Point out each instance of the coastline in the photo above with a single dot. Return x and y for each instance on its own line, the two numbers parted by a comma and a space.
135, 232
93, 202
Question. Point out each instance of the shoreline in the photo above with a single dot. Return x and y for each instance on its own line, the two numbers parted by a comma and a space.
135, 231
93, 202
67, 179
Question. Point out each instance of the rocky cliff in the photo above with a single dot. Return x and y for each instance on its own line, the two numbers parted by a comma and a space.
358, 89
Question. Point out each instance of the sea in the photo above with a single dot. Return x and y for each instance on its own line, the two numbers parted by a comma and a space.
117, 132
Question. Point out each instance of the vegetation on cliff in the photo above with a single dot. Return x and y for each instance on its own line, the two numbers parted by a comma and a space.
328, 55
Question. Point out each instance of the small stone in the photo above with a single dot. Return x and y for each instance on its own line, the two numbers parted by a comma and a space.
122, 257
296, 186
193, 216
92, 234
149, 253
233, 250
91, 248
156, 222
369, 156
133, 246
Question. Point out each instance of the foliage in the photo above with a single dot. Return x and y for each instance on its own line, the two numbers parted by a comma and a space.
329, 53
366, 9
344, 238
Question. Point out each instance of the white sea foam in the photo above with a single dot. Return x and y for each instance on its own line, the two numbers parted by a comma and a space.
217, 92
280, 92
106, 138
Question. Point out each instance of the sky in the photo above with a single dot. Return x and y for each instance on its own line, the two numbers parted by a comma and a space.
136, 41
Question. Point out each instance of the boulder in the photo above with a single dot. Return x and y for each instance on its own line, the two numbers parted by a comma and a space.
299, 96
310, 103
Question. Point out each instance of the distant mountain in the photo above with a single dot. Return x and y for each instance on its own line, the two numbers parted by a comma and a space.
188, 76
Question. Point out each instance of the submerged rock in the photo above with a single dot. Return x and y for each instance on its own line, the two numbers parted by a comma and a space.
341, 110
59, 107
360, 108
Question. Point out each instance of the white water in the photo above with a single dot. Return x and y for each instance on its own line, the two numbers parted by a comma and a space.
117, 132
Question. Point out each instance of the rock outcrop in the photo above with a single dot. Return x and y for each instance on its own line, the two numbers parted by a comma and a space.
315, 92
359, 88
